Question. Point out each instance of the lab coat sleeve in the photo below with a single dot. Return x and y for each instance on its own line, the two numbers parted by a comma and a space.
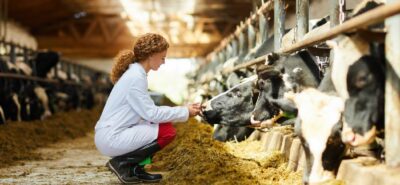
140, 101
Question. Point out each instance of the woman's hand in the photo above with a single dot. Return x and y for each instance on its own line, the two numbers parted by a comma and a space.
194, 109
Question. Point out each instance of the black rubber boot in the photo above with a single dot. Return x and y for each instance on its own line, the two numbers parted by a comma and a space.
127, 167
137, 171
122, 170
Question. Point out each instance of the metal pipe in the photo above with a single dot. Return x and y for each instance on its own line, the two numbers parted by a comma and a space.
369, 18
25, 77
265, 7
334, 13
279, 23
392, 90
263, 27
69, 71
13, 56
302, 17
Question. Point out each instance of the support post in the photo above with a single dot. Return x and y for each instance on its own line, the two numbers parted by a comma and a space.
263, 27
69, 70
334, 13
302, 17
279, 23
13, 56
392, 91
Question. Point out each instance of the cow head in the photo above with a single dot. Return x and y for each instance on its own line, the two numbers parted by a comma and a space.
318, 125
358, 77
269, 83
232, 107
363, 113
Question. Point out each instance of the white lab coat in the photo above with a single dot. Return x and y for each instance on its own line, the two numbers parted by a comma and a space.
130, 118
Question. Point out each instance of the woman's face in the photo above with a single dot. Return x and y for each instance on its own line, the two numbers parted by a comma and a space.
157, 60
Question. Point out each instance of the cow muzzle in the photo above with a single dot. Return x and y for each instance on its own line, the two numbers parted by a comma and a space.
355, 139
321, 177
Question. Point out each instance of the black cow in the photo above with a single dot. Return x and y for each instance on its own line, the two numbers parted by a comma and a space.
45, 61
285, 74
9, 99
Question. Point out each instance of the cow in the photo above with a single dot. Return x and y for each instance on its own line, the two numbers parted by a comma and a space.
359, 79
232, 109
283, 74
318, 125
358, 68
9, 99
229, 133
2, 116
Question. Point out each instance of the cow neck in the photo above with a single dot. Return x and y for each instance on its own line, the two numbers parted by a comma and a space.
309, 61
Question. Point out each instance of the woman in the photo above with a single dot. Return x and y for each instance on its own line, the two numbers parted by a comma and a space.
131, 127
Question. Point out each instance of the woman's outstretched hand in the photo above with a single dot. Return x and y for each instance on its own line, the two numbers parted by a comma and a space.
194, 109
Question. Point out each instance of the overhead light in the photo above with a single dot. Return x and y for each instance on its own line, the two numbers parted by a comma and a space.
80, 15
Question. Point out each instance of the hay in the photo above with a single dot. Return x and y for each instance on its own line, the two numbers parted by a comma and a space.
19, 139
195, 158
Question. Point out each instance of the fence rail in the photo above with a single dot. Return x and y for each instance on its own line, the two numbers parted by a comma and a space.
374, 16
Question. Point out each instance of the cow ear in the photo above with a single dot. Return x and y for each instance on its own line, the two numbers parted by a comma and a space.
271, 58
331, 44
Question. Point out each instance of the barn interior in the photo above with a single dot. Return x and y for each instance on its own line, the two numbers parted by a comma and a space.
266, 73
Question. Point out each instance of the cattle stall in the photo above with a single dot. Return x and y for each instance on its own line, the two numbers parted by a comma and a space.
44, 82
291, 91
370, 24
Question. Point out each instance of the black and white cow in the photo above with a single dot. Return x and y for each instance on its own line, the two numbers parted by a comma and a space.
318, 125
232, 109
284, 74
9, 92
358, 68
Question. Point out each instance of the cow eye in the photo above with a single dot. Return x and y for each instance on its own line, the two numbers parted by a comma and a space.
261, 83
362, 81
229, 94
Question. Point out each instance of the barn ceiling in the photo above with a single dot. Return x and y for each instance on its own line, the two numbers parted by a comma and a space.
100, 28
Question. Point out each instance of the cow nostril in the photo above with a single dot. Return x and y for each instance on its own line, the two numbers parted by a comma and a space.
349, 136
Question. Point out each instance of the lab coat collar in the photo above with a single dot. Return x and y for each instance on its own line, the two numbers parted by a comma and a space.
140, 67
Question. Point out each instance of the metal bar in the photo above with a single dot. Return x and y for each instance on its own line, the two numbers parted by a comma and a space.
302, 16
79, 71
19, 76
69, 70
334, 13
56, 70
371, 17
279, 23
265, 7
33, 78
263, 27
245, 65
334, 21
12, 54
392, 90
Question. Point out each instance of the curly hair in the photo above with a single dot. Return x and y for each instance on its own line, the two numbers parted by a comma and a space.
145, 46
